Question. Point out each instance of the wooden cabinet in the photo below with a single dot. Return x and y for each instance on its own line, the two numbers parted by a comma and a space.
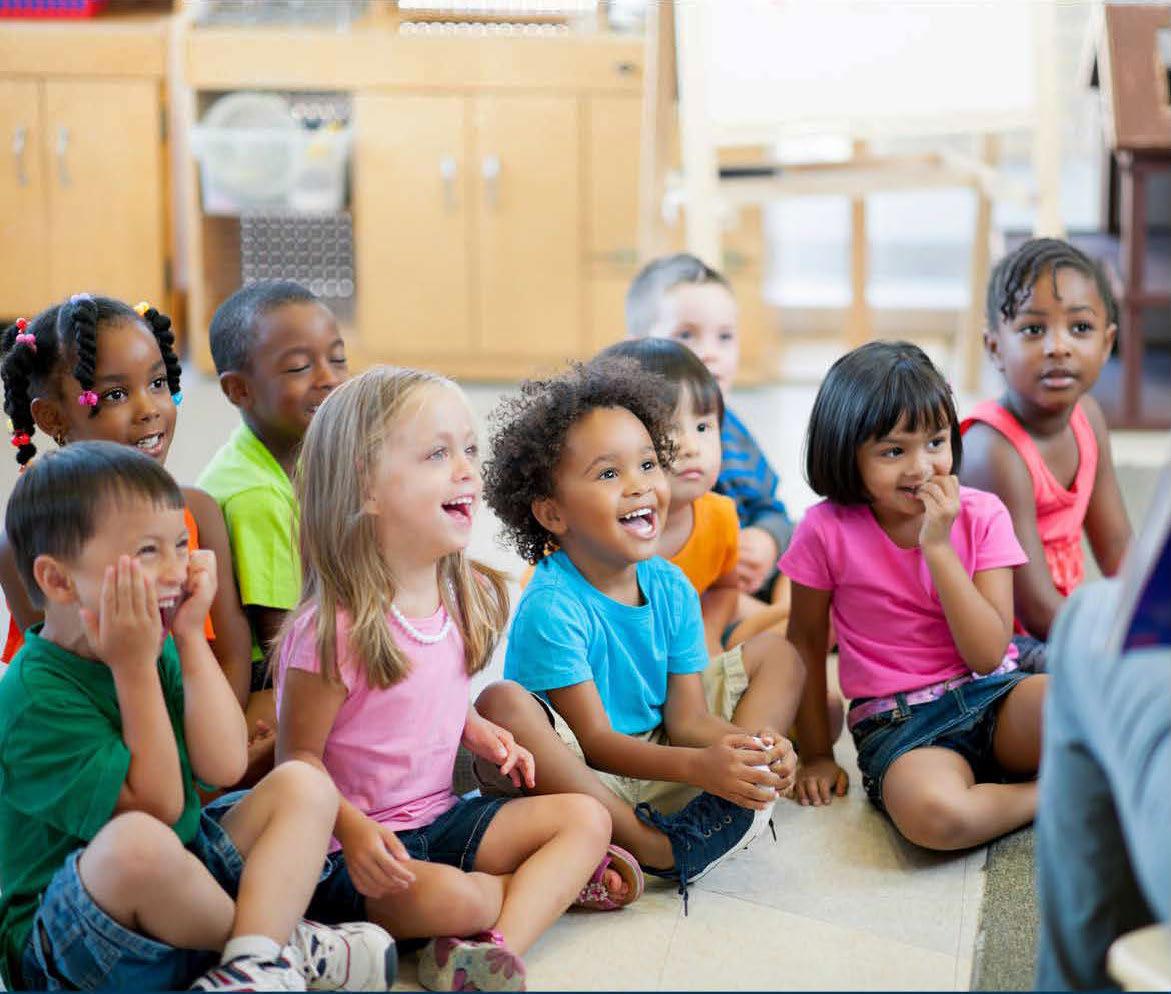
466, 228
83, 182
24, 264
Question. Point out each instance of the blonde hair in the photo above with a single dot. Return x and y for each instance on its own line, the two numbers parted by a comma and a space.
342, 563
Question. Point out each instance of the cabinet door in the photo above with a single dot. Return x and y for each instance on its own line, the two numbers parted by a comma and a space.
612, 221
412, 243
104, 171
24, 268
529, 219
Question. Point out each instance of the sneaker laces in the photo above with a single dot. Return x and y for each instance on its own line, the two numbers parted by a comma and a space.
319, 953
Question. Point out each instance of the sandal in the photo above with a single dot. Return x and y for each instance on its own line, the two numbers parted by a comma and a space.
594, 895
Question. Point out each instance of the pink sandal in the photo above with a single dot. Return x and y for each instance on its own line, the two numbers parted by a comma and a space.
594, 894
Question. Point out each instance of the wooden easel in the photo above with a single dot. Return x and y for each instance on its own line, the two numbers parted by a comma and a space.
679, 63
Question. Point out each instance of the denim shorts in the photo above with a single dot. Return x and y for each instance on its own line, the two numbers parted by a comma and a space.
1031, 654
75, 945
963, 720
453, 838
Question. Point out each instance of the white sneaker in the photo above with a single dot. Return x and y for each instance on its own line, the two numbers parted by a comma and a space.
251, 973
355, 956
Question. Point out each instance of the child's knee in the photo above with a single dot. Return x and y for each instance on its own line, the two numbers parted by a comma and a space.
940, 822
305, 785
136, 849
771, 652
505, 702
586, 815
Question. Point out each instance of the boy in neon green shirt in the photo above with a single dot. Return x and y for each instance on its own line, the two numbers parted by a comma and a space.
278, 353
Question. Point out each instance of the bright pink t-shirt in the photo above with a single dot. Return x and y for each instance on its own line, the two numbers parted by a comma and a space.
391, 751
892, 632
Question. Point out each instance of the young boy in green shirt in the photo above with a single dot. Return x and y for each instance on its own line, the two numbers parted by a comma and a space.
279, 353
111, 876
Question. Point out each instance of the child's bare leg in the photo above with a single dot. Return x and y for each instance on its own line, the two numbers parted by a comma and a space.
933, 799
137, 871
1016, 742
560, 771
551, 845
282, 828
775, 678
443, 900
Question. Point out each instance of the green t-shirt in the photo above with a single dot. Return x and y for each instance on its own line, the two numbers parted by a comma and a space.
62, 765
260, 511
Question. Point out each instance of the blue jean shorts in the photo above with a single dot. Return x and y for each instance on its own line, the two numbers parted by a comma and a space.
453, 838
963, 720
75, 945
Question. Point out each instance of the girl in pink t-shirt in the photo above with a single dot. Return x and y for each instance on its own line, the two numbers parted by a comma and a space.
916, 573
373, 687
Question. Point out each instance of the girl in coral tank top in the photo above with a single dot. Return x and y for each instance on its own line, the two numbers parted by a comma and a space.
1043, 447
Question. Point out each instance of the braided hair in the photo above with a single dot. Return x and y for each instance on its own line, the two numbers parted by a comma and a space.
1015, 275
33, 352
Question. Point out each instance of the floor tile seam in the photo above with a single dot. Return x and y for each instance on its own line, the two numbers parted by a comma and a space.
861, 929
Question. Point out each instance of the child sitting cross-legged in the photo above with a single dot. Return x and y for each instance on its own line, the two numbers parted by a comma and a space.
686, 754
373, 687
112, 876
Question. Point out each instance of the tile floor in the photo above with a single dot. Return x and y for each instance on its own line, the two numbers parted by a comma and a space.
838, 902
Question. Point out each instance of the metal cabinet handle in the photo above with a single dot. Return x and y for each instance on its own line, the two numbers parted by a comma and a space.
62, 149
448, 171
490, 170
19, 140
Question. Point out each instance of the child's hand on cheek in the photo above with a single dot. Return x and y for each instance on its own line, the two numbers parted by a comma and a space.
199, 591
941, 501
127, 631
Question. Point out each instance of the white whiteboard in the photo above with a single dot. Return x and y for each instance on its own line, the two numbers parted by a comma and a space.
865, 68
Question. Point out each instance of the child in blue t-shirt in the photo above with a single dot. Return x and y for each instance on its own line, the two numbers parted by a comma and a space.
625, 705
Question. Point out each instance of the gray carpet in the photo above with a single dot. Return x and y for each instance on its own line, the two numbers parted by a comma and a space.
1005, 953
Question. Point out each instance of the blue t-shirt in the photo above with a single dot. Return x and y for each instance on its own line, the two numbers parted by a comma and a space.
566, 632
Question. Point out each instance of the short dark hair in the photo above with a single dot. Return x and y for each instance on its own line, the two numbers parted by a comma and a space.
528, 437
866, 393
1015, 275
656, 279
57, 504
679, 367
233, 325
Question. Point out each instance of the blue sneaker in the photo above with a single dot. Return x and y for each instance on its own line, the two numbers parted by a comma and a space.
704, 834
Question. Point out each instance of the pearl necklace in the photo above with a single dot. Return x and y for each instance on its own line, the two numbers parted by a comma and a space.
422, 637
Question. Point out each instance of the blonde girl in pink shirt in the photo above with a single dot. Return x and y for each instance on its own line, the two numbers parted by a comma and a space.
373, 688
916, 573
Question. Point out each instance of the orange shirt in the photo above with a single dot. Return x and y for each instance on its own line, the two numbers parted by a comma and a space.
16, 637
712, 548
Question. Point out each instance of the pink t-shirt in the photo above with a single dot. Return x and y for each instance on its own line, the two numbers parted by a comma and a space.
391, 751
892, 632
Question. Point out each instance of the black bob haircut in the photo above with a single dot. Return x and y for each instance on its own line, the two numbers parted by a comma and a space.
58, 503
233, 326
681, 368
866, 393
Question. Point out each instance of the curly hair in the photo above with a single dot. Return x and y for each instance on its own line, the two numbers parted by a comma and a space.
1015, 275
61, 334
528, 435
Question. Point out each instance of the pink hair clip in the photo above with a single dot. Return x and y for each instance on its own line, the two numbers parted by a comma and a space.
88, 399
24, 337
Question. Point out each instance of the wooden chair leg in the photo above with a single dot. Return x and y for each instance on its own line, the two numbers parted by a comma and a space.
859, 325
1132, 221
970, 348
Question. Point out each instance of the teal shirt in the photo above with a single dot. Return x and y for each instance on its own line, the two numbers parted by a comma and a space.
62, 765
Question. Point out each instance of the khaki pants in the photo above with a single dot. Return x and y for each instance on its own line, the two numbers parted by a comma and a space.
724, 683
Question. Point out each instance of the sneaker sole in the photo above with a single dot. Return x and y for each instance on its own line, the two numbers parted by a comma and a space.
760, 820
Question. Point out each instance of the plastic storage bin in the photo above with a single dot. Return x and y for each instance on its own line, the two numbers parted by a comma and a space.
296, 168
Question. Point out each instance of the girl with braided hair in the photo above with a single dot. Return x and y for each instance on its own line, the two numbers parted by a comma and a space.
1043, 447
95, 368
